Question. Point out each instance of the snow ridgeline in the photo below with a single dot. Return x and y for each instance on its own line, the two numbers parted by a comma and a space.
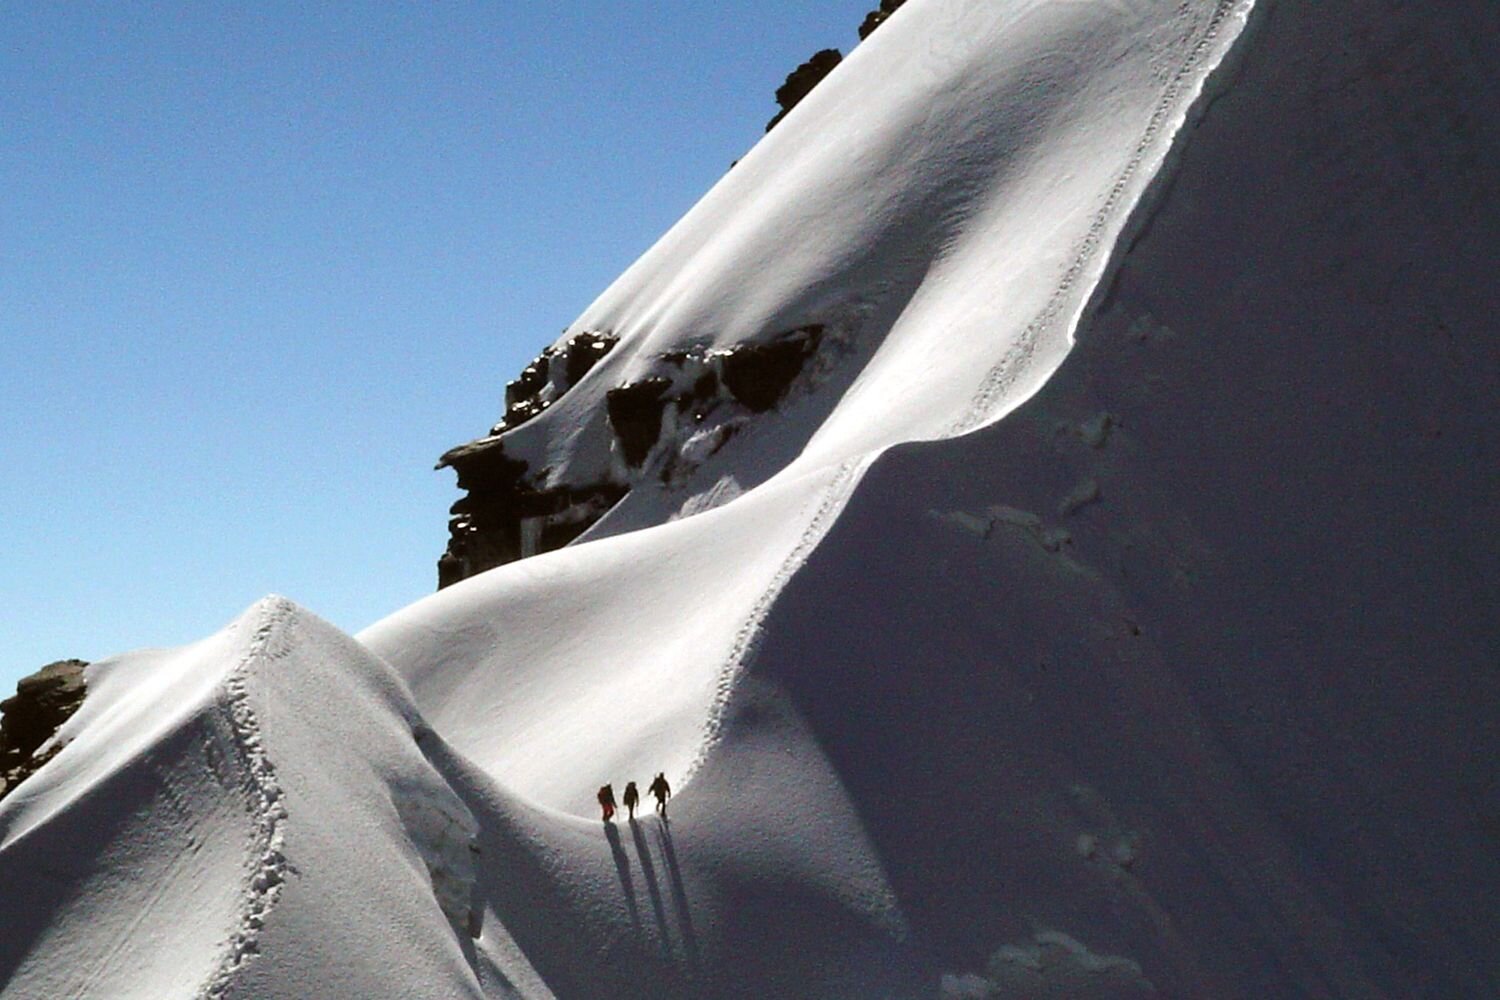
943, 700
219, 801
994, 152
933, 240
266, 863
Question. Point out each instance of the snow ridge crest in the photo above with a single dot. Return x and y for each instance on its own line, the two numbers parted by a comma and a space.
999, 382
273, 619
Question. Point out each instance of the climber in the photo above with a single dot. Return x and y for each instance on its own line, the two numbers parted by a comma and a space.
662, 791
607, 801
631, 798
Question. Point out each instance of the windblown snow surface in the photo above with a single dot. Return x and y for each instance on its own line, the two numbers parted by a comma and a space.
1107, 613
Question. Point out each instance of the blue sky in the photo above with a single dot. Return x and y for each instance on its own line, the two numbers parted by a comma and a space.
261, 263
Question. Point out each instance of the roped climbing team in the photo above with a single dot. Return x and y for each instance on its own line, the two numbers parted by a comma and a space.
658, 788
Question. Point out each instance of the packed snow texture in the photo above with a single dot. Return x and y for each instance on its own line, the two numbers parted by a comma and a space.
1160, 666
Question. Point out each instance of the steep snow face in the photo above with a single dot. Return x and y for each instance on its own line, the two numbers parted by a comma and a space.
945, 192
941, 206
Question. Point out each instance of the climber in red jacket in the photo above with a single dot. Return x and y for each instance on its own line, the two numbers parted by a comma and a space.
607, 801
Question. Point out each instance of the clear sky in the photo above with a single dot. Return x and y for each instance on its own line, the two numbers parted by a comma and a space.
261, 263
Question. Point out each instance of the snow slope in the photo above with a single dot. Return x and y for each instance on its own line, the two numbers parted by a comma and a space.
227, 800
942, 202
1170, 682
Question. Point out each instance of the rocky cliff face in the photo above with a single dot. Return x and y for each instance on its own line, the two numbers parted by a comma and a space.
42, 703
659, 425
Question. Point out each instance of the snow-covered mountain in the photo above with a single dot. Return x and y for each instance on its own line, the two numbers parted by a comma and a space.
1038, 509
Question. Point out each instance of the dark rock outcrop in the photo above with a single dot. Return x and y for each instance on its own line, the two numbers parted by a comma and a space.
552, 373
801, 81
758, 375
506, 516
635, 416
584, 351
878, 16
512, 511
42, 703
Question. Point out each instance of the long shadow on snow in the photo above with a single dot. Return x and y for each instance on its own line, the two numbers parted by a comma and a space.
538, 870
679, 894
622, 866
648, 869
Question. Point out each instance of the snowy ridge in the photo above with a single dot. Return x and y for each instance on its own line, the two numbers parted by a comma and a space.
171, 734
923, 297
982, 662
1172, 114
239, 798
373, 828
833, 497
266, 865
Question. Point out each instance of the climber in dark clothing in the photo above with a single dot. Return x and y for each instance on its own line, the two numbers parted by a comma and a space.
662, 791
607, 801
631, 798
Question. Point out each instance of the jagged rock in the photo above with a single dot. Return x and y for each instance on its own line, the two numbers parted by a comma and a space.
527, 386
451, 567
583, 351
878, 16
758, 375
42, 703
552, 373
505, 516
706, 387
801, 81
511, 511
635, 414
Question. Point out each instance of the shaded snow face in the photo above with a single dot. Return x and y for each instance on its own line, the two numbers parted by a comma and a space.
1190, 658
1051, 966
